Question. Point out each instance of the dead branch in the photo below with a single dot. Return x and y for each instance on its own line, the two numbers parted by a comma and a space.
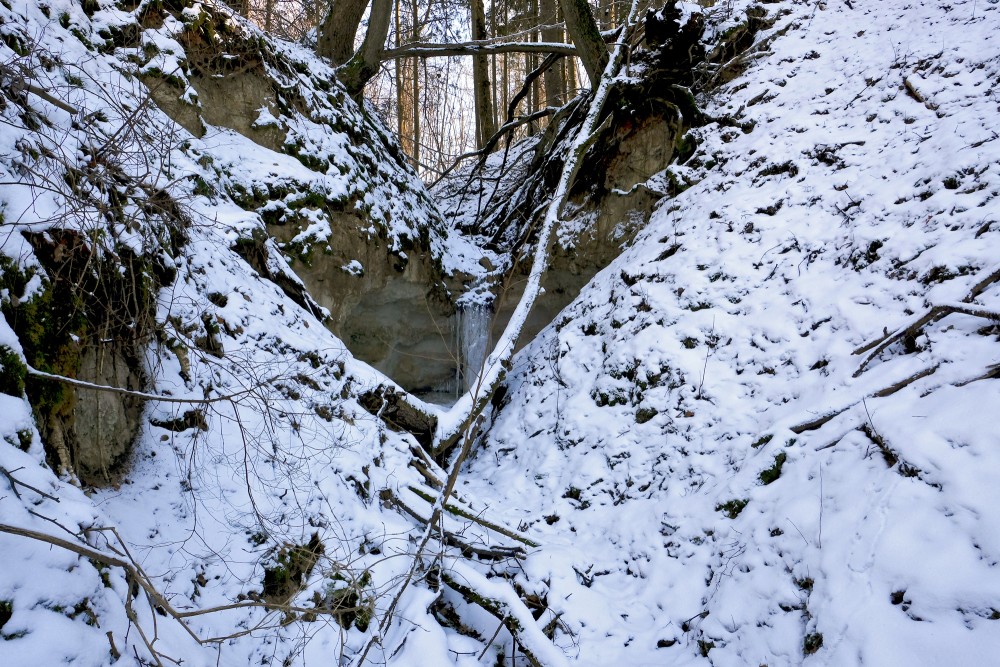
912, 329
987, 279
136, 576
15, 482
33, 372
391, 500
470, 516
495, 609
815, 423
475, 48
992, 373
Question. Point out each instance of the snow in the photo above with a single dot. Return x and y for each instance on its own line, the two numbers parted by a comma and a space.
636, 427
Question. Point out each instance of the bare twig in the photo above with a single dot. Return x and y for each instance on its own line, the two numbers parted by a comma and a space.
140, 394
14, 483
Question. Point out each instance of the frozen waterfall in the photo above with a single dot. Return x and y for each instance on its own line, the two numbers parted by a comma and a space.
472, 331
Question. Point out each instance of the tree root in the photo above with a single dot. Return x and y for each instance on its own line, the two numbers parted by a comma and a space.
400, 412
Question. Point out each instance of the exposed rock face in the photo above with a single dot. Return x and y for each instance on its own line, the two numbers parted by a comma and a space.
370, 264
384, 290
235, 101
390, 308
90, 321
99, 430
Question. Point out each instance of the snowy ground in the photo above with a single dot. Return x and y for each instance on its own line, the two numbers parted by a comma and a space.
868, 191
637, 427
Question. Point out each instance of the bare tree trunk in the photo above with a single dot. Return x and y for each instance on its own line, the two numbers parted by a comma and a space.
399, 72
415, 86
554, 81
485, 126
583, 31
364, 64
571, 84
338, 30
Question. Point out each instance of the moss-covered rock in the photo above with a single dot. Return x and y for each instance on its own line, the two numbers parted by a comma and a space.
88, 317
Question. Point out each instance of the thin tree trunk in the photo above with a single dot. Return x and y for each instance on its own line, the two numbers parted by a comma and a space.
398, 66
549, 10
485, 126
415, 84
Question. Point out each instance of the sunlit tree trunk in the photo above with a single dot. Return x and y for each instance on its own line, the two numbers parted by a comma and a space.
415, 85
338, 30
590, 46
485, 127
364, 64
554, 81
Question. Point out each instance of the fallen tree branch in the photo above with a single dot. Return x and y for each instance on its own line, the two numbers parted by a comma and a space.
992, 373
987, 278
912, 328
504, 605
475, 48
495, 609
470, 516
816, 422
467, 548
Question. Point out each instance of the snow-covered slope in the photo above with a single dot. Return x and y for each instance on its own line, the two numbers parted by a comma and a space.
707, 479
273, 448
663, 438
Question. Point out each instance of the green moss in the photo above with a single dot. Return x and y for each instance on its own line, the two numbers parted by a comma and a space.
732, 508
291, 567
774, 472
310, 199
16, 44
685, 147
350, 602
94, 296
812, 643
643, 415
202, 188
12, 372
48, 325
761, 441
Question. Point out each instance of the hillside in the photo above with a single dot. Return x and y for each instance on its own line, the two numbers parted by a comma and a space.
762, 433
